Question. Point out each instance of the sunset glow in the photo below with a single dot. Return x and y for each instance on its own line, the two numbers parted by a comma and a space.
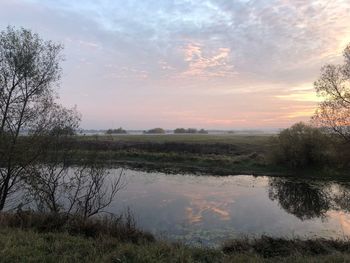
212, 64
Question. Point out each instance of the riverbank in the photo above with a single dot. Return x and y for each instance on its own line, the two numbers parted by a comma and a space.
195, 154
34, 238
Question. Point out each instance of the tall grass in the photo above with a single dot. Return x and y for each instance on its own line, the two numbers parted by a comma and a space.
122, 227
27, 245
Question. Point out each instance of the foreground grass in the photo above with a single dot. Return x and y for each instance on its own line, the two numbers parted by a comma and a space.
35, 237
18, 245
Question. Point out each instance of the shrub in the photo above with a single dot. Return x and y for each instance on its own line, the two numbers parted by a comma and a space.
301, 146
190, 131
155, 131
180, 130
202, 131
116, 131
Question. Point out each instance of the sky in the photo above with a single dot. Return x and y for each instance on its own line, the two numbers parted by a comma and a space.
214, 64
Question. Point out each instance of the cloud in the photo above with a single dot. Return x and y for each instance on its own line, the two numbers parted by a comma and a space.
223, 63
214, 63
300, 96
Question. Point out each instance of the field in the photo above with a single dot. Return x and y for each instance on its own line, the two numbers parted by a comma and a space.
186, 138
202, 154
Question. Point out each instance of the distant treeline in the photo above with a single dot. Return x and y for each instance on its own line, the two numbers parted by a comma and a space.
176, 131
159, 131
116, 131
190, 130
155, 131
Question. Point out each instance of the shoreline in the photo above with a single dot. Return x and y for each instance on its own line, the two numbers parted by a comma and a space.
27, 235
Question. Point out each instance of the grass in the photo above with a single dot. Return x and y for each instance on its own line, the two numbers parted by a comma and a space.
186, 138
27, 238
122, 228
201, 154
197, 154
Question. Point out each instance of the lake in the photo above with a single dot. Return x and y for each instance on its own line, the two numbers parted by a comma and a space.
208, 210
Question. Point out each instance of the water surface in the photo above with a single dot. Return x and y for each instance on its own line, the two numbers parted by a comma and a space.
209, 209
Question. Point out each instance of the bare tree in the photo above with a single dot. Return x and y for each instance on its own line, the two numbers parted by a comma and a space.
46, 186
84, 191
46, 180
92, 189
54, 185
334, 86
29, 70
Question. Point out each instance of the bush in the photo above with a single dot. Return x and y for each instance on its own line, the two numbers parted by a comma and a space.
301, 146
155, 131
190, 131
202, 131
116, 131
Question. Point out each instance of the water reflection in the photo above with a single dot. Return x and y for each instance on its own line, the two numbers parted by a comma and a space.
308, 200
341, 197
304, 200
200, 206
212, 209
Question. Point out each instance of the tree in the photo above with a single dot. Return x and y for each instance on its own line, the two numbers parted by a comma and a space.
202, 131
39, 160
301, 199
45, 180
84, 191
180, 130
334, 86
52, 184
155, 131
189, 130
29, 72
92, 189
116, 131
300, 146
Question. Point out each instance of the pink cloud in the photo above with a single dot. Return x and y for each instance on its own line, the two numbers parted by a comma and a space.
204, 62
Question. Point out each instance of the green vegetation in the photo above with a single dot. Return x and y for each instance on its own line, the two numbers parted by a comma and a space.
189, 131
255, 139
155, 131
183, 130
28, 246
202, 131
28, 237
116, 131
122, 228
215, 154
30, 71
301, 146
306, 147
300, 150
